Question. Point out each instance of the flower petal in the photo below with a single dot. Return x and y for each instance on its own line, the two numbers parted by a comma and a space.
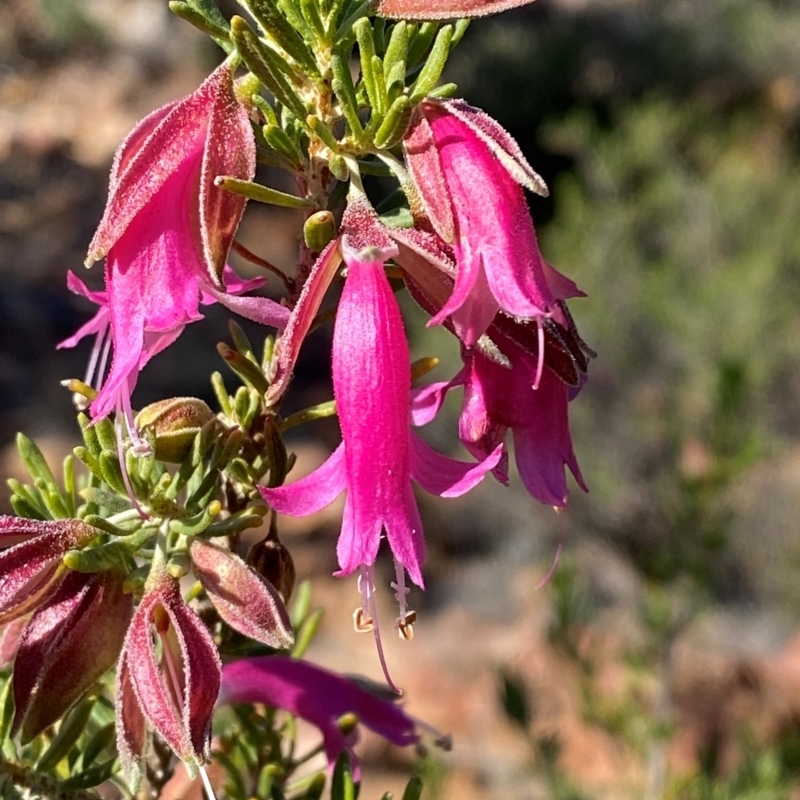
447, 477
312, 493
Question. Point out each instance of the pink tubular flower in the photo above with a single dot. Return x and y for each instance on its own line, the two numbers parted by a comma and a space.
470, 174
315, 695
499, 398
378, 456
176, 693
166, 232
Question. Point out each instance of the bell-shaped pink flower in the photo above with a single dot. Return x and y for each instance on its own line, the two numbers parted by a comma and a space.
175, 692
31, 567
444, 9
166, 232
470, 173
317, 696
379, 456
499, 397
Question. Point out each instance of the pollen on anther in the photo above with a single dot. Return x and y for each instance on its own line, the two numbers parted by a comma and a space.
362, 622
405, 625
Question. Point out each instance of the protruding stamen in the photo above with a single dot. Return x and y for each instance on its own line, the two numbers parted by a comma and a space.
540, 362
123, 464
369, 614
405, 625
407, 618
559, 547
139, 447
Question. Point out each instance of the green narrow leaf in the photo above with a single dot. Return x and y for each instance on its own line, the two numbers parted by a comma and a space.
34, 460
345, 90
278, 28
366, 48
93, 776
218, 33
429, 75
342, 786
261, 194
308, 630
100, 740
266, 65
413, 789
71, 728
394, 125
394, 61
420, 42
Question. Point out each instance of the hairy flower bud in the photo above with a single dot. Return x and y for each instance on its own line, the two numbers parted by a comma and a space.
174, 423
176, 692
66, 647
270, 559
246, 601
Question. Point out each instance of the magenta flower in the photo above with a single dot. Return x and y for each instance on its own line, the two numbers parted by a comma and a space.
470, 174
378, 456
318, 696
501, 397
175, 692
166, 232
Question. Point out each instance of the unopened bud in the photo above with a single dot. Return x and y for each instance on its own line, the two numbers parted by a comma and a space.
273, 561
319, 230
174, 423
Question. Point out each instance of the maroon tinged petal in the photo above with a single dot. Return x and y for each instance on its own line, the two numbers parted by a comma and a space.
245, 600
157, 148
67, 646
178, 694
31, 569
444, 9
132, 737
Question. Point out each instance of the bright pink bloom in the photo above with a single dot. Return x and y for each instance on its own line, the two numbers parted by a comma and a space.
502, 397
378, 456
470, 174
315, 695
166, 232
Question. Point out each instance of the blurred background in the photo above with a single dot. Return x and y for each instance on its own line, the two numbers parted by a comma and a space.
663, 658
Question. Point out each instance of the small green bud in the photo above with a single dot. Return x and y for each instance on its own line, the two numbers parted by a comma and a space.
319, 229
174, 423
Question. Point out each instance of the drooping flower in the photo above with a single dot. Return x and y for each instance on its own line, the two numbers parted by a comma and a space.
519, 376
470, 174
177, 692
166, 232
501, 397
379, 456
317, 696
